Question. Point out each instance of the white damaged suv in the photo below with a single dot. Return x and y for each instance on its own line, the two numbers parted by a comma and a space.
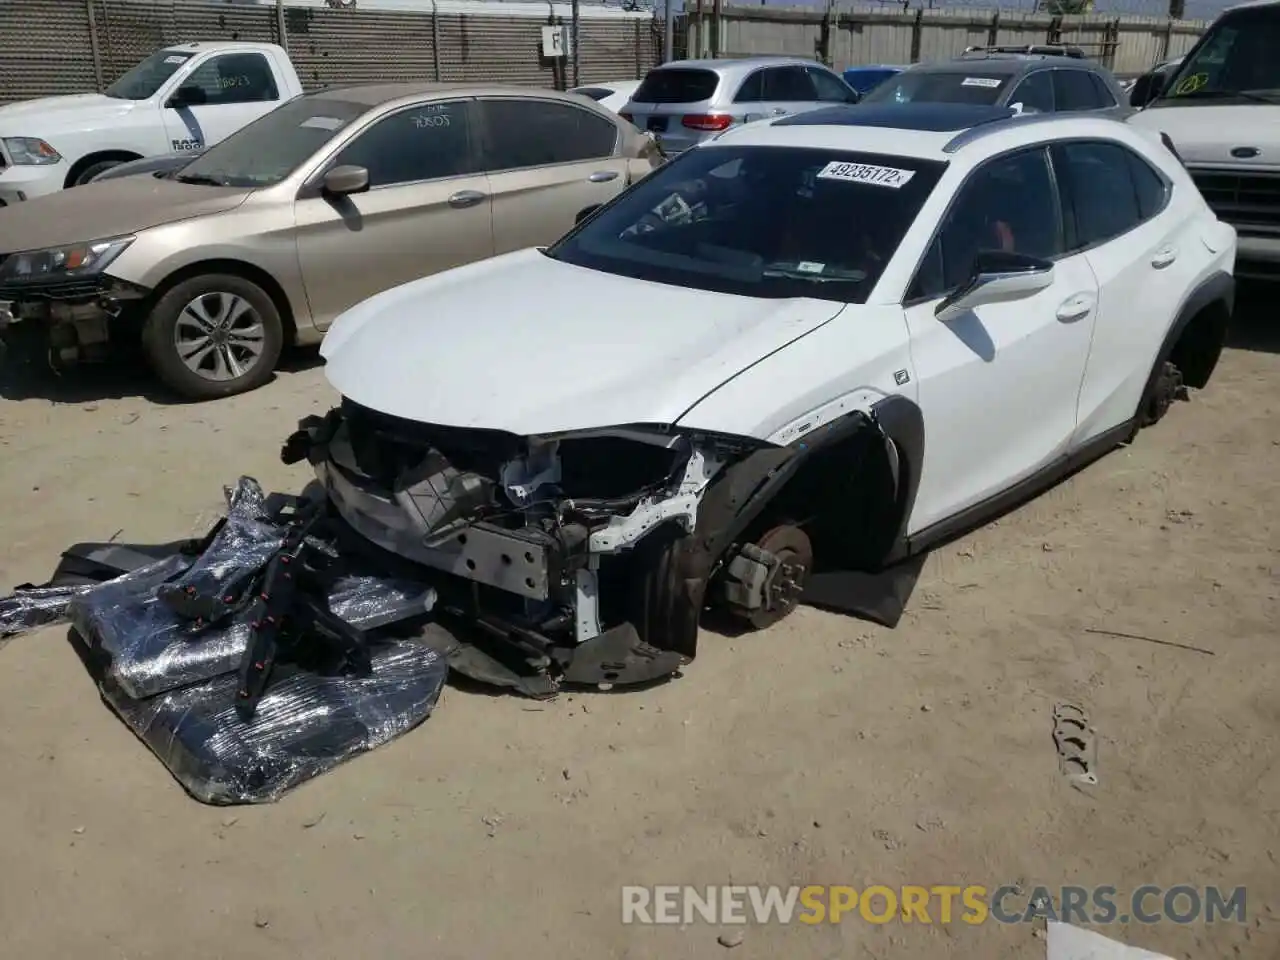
774, 371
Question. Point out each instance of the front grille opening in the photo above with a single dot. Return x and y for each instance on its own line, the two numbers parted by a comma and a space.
1248, 201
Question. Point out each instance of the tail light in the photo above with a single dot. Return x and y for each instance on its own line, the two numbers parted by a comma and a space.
706, 121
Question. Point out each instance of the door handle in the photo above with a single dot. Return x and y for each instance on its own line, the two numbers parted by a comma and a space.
603, 176
466, 198
779, 111
1075, 308
1163, 257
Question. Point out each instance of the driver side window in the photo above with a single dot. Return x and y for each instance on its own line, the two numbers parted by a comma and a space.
1008, 205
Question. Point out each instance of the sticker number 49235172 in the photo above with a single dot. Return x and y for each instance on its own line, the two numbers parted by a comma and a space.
866, 173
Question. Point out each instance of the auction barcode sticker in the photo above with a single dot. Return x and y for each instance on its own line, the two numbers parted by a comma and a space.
866, 173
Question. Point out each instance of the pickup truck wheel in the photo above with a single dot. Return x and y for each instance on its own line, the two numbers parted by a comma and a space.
91, 171
214, 336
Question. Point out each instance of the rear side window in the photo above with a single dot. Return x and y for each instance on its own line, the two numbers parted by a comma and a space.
829, 87
1105, 96
1074, 90
677, 85
788, 83
1102, 196
535, 133
1035, 93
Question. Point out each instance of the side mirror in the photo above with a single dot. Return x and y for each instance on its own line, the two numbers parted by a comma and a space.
996, 277
346, 179
1147, 87
188, 97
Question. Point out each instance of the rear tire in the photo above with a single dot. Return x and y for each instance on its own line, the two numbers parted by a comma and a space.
1166, 387
214, 335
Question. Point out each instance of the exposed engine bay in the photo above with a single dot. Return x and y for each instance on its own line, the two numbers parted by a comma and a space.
556, 550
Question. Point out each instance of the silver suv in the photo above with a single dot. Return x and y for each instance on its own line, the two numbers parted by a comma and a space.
686, 101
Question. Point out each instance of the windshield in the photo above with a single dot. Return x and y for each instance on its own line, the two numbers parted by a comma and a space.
1240, 55
149, 76
932, 86
273, 146
770, 222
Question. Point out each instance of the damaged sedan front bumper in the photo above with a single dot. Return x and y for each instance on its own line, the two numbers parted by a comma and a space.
75, 318
532, 538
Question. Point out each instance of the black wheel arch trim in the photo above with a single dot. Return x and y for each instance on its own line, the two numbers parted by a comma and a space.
1220, 286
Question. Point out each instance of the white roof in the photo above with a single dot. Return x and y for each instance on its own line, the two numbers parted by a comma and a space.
983, 140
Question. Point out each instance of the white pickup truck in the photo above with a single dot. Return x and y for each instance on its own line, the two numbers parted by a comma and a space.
185, 97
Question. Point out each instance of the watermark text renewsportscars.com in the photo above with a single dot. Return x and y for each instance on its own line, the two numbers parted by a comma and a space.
938, 903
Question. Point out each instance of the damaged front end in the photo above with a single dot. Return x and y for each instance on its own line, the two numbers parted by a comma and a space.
535, 539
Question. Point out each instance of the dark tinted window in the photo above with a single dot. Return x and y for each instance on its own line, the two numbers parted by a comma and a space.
926, 86
235, 78
788, 83
830, 87
1150, 187
533, 133
1035, 93
677, 85
1074, 90
275, 145
1008, 205
422, 143
1101, 190
760, 222
752, 89
1105, 97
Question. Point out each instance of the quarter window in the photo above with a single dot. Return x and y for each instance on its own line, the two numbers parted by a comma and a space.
1008, 205
235, 78
425, 142
535, 133
1152, 190
1100, 185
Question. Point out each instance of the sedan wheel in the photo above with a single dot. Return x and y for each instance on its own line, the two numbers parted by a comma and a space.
213, 336
219, 336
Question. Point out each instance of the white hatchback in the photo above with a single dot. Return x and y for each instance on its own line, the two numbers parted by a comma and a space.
787, 361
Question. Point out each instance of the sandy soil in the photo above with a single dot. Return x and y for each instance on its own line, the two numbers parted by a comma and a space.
822, 751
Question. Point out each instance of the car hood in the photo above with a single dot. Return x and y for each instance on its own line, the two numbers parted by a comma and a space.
39, 117
530, 345
110, 209
1207, 133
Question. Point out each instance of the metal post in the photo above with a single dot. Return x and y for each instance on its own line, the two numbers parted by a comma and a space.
281, 30
577, 78
93, 43
715, 26
669, 34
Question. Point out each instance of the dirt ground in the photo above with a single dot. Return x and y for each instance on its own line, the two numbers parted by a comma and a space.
822, 751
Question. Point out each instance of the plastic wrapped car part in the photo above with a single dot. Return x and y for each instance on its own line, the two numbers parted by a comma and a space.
29, 607
214, 586
147, 648
305, 724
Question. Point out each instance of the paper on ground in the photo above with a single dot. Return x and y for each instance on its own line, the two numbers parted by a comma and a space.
1076, 943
